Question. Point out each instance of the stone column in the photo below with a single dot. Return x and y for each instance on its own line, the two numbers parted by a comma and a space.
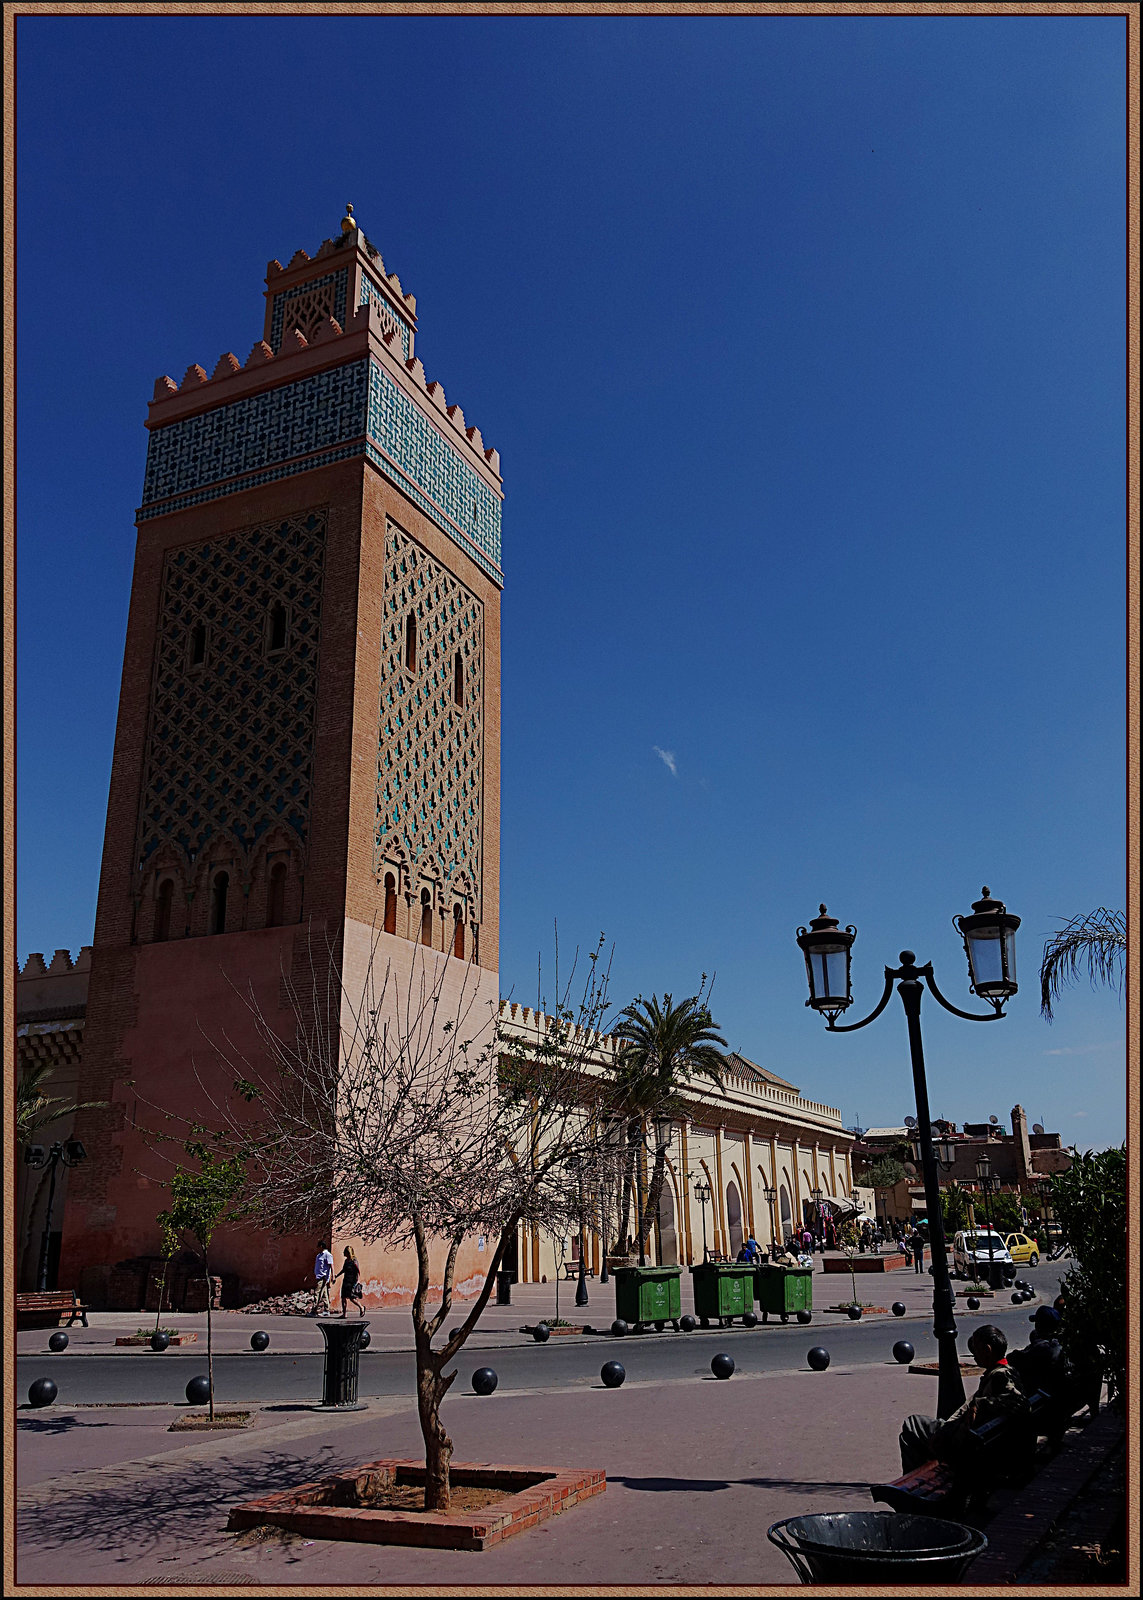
748, 1176
687, 1250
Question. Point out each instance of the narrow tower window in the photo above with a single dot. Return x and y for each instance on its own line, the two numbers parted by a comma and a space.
276, 897
458, 679
411, 642
390, 903
277, 629
457, 933
426, 918
163, 909
198, 644
218, 903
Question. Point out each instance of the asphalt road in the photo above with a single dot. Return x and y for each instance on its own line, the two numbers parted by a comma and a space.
563, 1362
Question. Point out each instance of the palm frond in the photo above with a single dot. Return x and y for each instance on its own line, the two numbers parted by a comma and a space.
1095, 942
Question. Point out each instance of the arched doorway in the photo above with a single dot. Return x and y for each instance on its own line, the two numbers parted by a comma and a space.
734, 1217
668, 1237
787, 1213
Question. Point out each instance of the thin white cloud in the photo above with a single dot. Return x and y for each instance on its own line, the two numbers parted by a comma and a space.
1087, 1049
667, 757
1079, 1113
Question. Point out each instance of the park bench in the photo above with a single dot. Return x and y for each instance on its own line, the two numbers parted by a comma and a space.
47, 1308
1003, 1448
571, 1270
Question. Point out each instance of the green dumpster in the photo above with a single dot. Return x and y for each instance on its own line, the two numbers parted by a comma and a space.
645, 1295
783, 1290
721, 1291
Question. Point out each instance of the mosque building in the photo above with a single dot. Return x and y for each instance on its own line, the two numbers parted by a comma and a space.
307, 754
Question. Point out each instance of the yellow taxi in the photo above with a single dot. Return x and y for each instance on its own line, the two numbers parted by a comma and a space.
1024, 1251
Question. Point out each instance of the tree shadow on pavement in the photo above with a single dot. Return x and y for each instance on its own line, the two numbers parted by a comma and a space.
60, 1424
125, 1513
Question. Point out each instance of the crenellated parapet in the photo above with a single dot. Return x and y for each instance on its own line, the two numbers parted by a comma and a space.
334, 376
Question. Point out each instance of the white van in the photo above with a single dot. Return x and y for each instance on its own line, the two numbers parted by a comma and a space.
975, 1250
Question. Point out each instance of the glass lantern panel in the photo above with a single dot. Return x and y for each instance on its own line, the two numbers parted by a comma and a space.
984, 953
1009, 937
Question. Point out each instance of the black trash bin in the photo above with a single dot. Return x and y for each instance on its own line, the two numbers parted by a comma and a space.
342, 1355
876, 1548
503, 1288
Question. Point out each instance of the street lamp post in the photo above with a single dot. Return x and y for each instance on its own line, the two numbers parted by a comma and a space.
70, 1152
984, 1175
702, 1195
664, 1132
581, 1286
770, 1194
989, 936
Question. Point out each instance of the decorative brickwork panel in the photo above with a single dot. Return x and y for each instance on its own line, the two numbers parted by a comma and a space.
308, 304
370, 292
230, 736
430, 773
432, 472
248, 441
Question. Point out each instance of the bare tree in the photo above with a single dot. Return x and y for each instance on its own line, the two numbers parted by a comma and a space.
410, 1119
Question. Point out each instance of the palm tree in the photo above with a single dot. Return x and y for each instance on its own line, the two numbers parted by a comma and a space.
1097, 942
35, 1108
661, 1050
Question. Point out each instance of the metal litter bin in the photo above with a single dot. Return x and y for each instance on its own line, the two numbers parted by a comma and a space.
342, 1355
648, 1295
722, 1291
876, 1548
783, 1291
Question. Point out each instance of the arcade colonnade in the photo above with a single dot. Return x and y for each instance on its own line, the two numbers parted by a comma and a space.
759, 1132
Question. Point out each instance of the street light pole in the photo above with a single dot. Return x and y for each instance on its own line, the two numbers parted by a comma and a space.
770, 1194
702, 1195
989, 942
70, 1153
984, 1173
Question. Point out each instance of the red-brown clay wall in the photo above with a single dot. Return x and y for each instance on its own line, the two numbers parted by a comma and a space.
183, 1009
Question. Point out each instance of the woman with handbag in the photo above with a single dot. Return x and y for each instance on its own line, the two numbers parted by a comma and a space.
351, 1285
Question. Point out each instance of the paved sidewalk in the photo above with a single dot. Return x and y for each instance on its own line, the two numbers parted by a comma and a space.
697, 1470
391, 1328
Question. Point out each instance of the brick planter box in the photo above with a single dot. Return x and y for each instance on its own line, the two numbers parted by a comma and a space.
863, 1263
326, 1509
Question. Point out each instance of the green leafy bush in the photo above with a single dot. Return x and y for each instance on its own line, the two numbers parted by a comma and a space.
1090, 1201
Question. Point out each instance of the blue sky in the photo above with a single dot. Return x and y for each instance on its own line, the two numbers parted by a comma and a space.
802, 341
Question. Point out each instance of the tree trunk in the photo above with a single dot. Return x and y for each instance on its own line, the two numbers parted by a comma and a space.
209, 1344
654, 1191
162, 1292
438, 1445
622, 1242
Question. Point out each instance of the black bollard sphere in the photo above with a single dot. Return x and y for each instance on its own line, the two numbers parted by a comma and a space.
805, 1316
972, 1303
484, 1380
687, 1324
42, 1392
198, 1391
853, 1313
898, 1308
722, 1366
541, 1333
159, 1342
58, 1341
1018, 1297
364, 1340
903, 1351
259, 1341
818, 1358
612, 1374
619, 1327
749, 1320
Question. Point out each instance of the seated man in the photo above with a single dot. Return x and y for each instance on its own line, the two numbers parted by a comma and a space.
1043, 1365
923, 1438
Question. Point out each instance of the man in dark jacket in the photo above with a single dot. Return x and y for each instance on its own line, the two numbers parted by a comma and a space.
923, 1438
1043, 1364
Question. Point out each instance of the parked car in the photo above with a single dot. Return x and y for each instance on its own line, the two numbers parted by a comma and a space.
1024, 1251
982, 1257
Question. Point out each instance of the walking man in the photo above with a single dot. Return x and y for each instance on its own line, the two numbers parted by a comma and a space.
323, 1277
917, 1246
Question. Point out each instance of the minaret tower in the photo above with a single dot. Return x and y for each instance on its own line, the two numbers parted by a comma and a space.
308, 742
